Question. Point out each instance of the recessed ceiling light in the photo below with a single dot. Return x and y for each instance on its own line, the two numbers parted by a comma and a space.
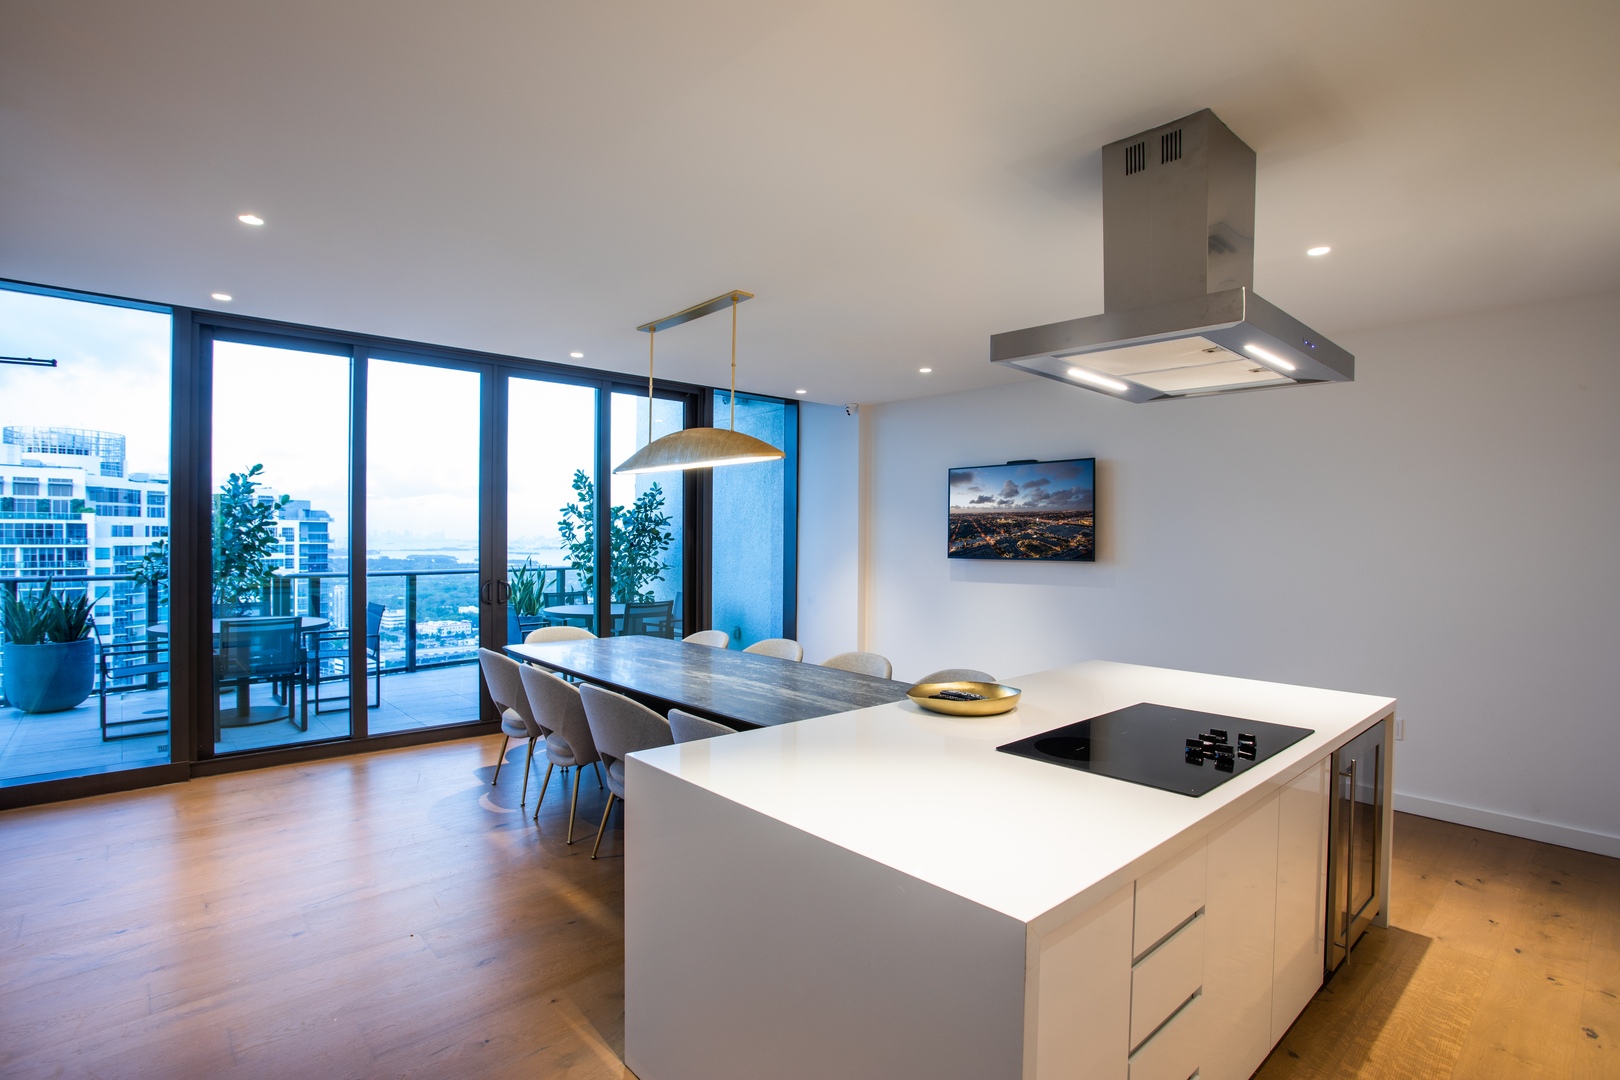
924, 370
1323, 250
1269, 358
577, 355
1102, 382
222, 296
801, 391
250, 219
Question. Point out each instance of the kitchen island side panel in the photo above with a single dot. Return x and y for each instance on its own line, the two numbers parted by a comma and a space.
755, 949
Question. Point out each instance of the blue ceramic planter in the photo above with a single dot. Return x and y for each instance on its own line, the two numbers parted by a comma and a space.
49, 677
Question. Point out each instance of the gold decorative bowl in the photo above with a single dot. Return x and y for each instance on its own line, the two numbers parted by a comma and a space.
994, 698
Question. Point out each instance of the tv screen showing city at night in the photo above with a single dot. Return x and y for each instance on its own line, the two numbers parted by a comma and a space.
1035, 510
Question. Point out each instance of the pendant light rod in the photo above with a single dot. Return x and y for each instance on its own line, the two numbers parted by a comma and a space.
698, 447
734, 363
696, 311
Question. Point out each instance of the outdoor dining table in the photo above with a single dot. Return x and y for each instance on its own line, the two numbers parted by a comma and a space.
740, 690
244, 713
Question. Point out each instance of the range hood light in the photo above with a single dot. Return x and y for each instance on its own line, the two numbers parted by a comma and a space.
1100, 381
1269, 358
1179, 309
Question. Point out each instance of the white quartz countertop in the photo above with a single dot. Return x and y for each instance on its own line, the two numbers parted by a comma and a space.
930, 796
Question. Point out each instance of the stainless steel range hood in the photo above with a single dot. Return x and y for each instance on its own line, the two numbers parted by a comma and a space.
1180, 316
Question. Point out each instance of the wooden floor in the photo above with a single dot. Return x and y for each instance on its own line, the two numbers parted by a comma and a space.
392, 915
382, 915
1502, 959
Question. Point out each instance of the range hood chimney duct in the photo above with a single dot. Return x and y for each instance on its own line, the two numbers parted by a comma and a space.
1180, 316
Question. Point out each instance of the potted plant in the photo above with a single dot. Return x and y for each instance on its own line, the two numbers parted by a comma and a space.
637, 542
244, 539
49, 653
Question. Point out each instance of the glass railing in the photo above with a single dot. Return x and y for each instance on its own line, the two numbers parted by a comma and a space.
429, 617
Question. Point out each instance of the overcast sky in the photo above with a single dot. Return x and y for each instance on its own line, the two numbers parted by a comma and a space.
288, 410
1057, 486
112, 372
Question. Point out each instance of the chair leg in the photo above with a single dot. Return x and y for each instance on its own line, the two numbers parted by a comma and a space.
597, 765
606, 810
528, 763
505, 741
540, 797
573, 806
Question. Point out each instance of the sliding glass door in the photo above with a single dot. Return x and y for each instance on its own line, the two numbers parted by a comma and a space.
280, 574
84, 520
423, 514
550, 506
349, 520
648, 513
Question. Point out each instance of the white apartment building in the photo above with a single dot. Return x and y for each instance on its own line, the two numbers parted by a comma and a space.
68, 509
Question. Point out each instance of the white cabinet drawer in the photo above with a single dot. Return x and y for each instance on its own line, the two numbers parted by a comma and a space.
1172, 1054
1165, 978
1165, 897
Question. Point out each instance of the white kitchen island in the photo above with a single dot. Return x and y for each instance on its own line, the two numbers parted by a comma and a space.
882, 894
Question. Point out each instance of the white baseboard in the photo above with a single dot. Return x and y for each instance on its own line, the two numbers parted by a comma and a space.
1546, 832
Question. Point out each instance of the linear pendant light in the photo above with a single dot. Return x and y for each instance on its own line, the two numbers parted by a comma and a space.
699, 447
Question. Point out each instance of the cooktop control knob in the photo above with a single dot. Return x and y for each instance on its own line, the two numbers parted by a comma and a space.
1218, 734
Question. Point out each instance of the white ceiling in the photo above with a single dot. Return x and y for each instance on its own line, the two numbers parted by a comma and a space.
896, 181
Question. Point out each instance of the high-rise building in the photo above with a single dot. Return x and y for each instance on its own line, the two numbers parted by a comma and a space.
68, 510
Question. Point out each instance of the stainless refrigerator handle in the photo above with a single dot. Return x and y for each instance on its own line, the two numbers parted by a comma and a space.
1350, 859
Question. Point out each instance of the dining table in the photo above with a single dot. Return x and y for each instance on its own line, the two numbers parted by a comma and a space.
739, 689
246, 713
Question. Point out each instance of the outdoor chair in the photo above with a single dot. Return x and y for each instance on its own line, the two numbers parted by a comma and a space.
147, 664
654, 618
333, 645
260, 650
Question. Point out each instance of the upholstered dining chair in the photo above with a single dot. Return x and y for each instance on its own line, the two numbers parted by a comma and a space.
780, 647
505, 680
556, 633
620, 727
714, 639
957, 674
557, 706
688, 728
862, 663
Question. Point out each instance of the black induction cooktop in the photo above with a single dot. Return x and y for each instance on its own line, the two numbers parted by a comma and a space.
1161, 746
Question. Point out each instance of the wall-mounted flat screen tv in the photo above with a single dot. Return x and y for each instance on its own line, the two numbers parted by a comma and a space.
1025, 510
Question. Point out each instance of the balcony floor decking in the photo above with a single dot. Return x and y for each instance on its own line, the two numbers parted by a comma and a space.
46, 745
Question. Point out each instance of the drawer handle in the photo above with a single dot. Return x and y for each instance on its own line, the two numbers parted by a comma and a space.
1182, 925
1177, 1011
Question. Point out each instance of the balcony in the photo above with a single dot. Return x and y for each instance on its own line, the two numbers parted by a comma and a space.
430, 676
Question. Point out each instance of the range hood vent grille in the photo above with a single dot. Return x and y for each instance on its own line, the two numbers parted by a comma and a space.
1170, 147
1180, 317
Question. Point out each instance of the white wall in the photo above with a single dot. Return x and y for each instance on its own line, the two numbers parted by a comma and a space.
1446, 530
828, 529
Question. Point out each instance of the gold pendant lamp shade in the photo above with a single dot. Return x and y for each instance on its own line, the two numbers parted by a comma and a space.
699, 447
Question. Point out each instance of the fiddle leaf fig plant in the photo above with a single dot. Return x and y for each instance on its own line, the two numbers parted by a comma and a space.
244, 539
640, 536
